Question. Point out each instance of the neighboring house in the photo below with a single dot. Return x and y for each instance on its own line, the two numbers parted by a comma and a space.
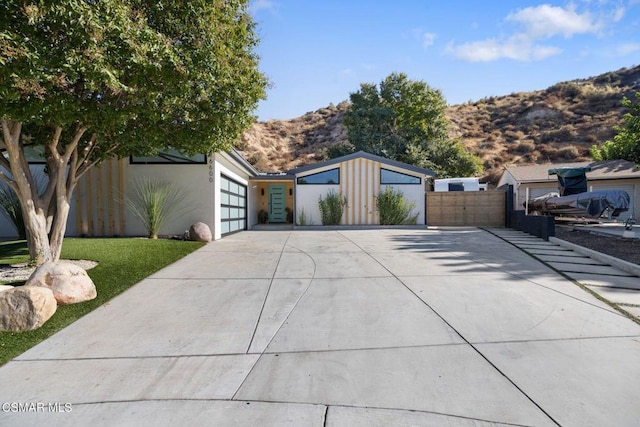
604, 175
359, 177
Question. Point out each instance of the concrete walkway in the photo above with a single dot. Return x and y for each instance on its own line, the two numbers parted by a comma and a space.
613, 279
449, 327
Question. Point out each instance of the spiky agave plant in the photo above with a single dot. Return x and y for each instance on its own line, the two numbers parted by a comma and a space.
155, 203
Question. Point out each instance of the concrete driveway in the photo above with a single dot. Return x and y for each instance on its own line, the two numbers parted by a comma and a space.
450, 327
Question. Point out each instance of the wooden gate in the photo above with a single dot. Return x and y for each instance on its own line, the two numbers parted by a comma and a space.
466, 208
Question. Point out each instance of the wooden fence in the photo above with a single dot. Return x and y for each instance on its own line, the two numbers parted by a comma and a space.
466, 208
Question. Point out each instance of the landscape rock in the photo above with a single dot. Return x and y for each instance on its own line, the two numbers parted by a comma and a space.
5, 288
69, 282
200, 232
25, 308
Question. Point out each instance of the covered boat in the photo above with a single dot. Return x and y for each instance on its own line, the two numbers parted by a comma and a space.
573, 199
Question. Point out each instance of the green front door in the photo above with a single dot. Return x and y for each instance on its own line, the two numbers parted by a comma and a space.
277, 203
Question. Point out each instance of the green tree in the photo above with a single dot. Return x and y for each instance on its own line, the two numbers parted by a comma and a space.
85, 81
405, 120
626, 144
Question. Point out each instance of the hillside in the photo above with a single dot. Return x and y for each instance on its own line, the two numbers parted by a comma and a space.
557, 124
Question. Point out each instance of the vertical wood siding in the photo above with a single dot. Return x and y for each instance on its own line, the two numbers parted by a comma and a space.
360, 183
99, 204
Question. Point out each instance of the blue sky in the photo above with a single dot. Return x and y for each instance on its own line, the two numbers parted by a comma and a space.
317, 52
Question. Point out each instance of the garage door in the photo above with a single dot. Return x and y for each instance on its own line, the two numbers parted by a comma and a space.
233, 201
629, 188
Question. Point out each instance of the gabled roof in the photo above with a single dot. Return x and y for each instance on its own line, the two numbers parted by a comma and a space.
606, 169
362, 155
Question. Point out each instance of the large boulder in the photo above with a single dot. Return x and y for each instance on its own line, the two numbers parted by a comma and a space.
5, 288
200, 232
69, 282
25, 308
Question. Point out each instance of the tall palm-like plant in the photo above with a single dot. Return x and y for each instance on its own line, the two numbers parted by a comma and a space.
155, 203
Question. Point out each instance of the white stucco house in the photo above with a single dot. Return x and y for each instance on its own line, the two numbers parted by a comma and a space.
359, 177
604, 175
215, 188
227, 193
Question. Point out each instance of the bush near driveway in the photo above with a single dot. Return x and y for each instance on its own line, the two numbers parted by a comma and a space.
122, 262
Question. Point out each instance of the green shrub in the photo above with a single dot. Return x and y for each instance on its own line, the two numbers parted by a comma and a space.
331, 208
303, 218
155, 203
394, 209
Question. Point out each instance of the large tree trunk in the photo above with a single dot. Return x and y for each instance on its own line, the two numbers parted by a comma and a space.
45, 215
35, 223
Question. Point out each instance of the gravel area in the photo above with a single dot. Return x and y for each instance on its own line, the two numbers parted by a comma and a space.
625, 249
21, 272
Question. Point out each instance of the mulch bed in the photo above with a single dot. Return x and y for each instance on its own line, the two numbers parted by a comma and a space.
625, 249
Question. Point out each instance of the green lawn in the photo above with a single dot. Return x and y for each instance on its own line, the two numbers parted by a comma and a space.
122, 262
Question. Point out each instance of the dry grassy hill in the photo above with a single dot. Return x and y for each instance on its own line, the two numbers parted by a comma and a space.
557, 124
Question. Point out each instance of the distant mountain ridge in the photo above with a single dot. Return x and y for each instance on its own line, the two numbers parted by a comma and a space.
557, 124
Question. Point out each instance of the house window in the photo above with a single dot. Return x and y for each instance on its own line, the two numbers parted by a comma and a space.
33, 153
331, 176
392, 177
169, 157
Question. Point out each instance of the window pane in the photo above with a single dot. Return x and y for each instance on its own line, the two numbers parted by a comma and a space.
224, 198
392, 177
327, 177
170, 156
224, 227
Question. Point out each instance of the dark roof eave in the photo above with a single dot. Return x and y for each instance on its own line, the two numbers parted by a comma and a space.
365, 155
243, 162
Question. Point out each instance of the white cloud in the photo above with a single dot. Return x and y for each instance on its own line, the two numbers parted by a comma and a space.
546, 21
516, 48
428, 39
619, 14
533, 24
627, 49
258, 5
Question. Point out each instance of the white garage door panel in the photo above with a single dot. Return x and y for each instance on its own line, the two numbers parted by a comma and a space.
233, 210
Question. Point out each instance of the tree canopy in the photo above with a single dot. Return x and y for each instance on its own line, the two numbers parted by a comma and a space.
405, 120
626, 144
88, 80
